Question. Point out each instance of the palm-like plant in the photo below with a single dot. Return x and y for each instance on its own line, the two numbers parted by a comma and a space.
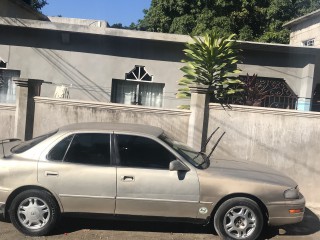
212, 62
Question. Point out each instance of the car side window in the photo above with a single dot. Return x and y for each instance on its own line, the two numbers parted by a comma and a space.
142, 152
58, 152
89, 148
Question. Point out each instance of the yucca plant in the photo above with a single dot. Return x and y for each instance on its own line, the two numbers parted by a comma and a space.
212, 61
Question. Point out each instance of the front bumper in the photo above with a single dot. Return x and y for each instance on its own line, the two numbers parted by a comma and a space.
279, 212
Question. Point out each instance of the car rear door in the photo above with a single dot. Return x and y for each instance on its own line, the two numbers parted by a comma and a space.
146, 187
78, 168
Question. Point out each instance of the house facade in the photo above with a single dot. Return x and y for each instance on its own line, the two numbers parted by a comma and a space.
96, 63
305, 30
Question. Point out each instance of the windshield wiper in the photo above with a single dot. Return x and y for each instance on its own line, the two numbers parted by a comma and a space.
202, 151
7, 141
215, 145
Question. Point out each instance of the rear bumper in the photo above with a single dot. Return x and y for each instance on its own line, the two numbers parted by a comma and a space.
279, 213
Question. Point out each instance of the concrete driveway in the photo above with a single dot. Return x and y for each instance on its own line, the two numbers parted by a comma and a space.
76, 229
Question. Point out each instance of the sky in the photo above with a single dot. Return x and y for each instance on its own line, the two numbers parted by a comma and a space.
112, 11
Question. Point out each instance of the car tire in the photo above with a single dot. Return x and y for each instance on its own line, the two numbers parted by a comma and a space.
34, 212
239, 218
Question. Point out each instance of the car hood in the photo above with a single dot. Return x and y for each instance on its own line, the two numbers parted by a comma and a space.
248, 171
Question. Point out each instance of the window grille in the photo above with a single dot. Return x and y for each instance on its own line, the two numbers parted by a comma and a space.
138, 88
308, 43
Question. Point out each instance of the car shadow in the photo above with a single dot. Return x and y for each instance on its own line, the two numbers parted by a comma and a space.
309, 225
69, 225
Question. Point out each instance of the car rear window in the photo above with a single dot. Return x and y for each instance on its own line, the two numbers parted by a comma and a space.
24, 146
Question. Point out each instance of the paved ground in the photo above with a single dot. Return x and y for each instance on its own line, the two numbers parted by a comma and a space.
75, 229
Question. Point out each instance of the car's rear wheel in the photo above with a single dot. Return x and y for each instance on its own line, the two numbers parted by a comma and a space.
34, 212
239, 218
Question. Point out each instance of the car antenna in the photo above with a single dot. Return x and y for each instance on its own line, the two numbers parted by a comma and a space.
216, 144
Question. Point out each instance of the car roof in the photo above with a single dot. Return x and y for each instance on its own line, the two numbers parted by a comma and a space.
117, 127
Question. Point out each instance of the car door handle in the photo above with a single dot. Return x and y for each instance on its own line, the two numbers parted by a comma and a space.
49, 173
127, 178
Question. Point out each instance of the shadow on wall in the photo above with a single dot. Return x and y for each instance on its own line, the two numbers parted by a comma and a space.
71, 73
92, 43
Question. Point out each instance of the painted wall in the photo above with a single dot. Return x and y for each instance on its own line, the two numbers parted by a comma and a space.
7, 117
285, 140
308, 29
89, 62
53, 113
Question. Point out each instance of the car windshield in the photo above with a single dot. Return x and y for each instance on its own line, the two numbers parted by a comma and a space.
24, 146
197, 159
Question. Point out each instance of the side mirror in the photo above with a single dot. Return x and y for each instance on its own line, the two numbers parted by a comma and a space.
176, 165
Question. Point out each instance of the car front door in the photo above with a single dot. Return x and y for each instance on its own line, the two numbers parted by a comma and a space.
146, 186
78, 170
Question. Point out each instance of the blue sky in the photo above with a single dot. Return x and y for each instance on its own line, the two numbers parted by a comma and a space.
113, 11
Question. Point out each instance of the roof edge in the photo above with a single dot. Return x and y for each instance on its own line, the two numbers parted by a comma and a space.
151, 36
302, 19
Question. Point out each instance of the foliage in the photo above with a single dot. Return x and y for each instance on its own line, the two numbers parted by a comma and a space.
212, 61
251, 94
132, 26
253, 20
36, 4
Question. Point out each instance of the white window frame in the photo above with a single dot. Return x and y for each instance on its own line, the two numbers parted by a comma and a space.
142, 80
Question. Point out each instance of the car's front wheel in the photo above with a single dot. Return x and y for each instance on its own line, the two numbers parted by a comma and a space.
239, 218
34, 212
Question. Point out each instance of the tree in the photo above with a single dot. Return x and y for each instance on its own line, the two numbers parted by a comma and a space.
254, 20
36, 4
212, 61
132, 26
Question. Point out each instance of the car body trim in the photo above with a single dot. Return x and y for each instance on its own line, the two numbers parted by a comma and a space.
154, 199
85, 196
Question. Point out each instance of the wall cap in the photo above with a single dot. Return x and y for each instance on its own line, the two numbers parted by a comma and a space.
110, 106
198, 88
264, 110
7, 107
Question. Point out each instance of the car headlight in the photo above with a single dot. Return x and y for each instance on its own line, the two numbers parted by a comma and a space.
292, 193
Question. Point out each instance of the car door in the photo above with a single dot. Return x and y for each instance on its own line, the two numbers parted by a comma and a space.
146, 187
79, 170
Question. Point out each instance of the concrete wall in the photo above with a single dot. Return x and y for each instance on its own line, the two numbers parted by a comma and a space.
7, 116
77, 21
305, 30
53, 113
89, 62
285, 140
